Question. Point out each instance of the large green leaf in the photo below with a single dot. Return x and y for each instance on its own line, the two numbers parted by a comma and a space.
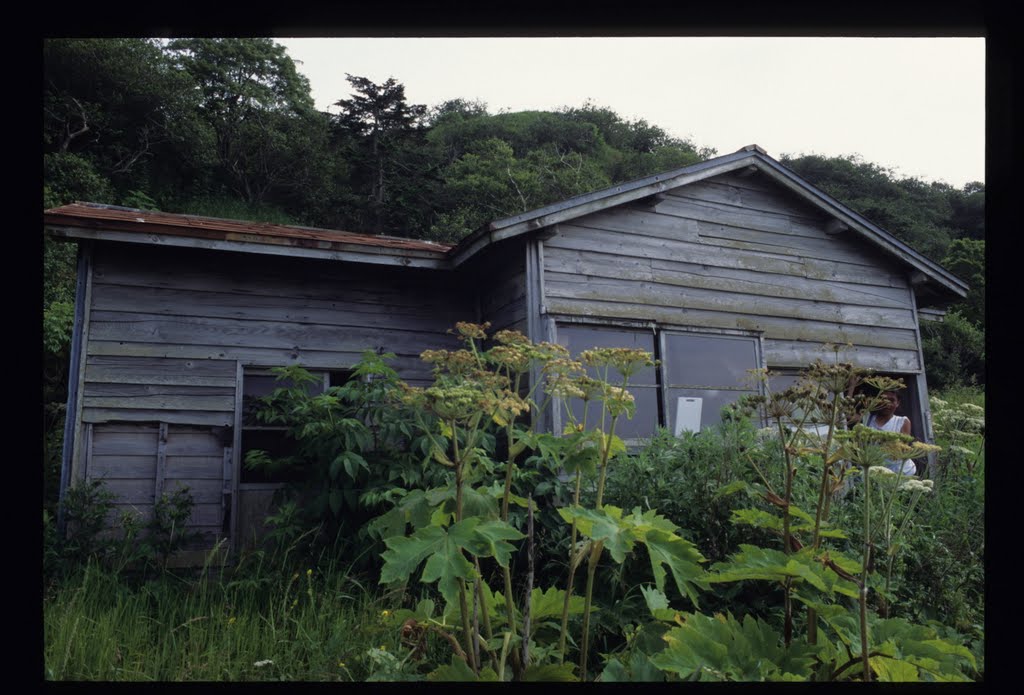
921, 645
753, 562
681, 557
548, 603
487, 538
413, 508
657, 604
620, 533
444, 550
459, 671
722, 648
603, 524
561, 673
889, 670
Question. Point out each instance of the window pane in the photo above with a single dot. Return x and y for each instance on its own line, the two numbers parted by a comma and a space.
713, 400
580, 338
781, 382
644, 422
716, 361
277, 444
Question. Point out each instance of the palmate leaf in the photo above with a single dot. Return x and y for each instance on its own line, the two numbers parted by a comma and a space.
657, 604
603, 525
477, 502
889, 670
459, 671
544, 604
682, 558
557, 673
620, 533
447, 563
722, 648
413, 508
640, 670
920, 644
548, 603
753, 562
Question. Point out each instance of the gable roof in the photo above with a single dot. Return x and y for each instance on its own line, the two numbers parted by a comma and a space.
749, 156
114, 223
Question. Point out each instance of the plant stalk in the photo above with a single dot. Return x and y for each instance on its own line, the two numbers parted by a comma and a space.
864, 576
572, 576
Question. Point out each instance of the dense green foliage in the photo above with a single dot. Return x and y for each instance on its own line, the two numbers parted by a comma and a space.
801, 580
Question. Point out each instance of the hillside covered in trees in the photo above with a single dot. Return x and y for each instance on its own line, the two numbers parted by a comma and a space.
228, 128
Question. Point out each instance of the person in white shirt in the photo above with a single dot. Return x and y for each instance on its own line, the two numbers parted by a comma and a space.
884, 418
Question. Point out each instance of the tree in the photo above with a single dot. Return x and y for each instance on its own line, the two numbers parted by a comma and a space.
954, 352
917, 212
383, 139
966, 259
117, 118
271, 143
490, 182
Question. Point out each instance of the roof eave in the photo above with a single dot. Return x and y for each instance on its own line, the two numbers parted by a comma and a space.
879, 237
335, 251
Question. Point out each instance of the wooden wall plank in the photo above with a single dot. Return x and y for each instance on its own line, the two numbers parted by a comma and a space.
196, 467
205, 518
225, 403
125, 440
777, 328
341, 310
134, 491
268, 357
588, 266
188, 417
114, 466
796, 354
202, 491
194, 443
630, 246
183, 269
147, 370
183, 330
716, 299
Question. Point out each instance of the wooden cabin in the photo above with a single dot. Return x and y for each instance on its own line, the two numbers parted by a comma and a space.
716, 268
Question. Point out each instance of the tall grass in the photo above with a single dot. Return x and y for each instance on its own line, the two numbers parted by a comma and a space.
312, 625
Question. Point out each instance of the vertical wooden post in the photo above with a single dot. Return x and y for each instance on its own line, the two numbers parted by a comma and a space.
236, 462
70, 466
225, 494
161, 462
924, 407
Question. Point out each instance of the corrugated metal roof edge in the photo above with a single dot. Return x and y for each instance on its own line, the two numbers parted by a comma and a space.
88, 214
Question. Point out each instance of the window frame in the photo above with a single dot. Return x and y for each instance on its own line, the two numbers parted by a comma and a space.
722, 333
659, 331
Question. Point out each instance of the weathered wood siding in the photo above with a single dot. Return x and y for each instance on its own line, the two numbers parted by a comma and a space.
139, 462
499, 277
168, 325
736, 253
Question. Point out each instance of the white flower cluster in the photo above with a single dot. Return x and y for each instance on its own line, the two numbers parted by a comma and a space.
262, 663
915, 485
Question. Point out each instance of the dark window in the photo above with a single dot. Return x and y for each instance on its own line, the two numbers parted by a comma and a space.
273, 439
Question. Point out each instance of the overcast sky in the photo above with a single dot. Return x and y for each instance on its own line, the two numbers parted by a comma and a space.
914, 105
